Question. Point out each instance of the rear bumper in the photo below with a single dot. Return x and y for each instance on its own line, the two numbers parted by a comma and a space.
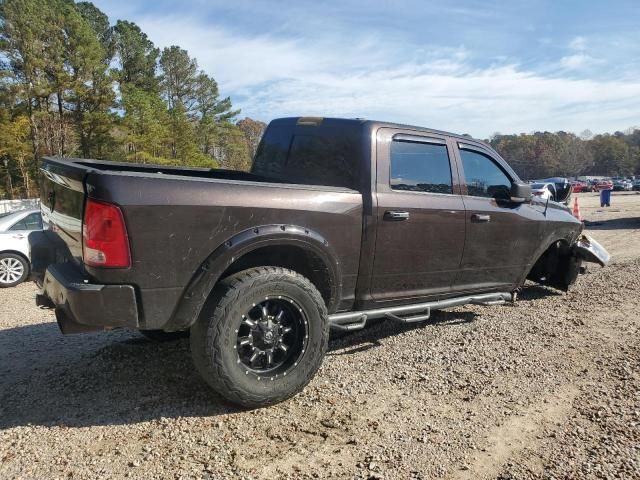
83, 307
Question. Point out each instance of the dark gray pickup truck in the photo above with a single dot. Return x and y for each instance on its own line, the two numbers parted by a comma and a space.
338, 222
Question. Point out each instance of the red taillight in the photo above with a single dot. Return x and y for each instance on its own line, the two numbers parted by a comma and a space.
104, 236
537, 194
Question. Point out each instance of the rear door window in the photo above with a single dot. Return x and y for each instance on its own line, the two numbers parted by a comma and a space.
21, 225
420, 167
33, 221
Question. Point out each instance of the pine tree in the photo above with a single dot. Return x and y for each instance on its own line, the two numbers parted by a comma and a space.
92, 96
137, 56
145, 120
253, 131
178, 79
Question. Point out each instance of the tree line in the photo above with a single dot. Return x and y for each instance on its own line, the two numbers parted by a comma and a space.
72, 84
546, 154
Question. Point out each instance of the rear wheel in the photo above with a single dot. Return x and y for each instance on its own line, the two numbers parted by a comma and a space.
14, 269
262, 336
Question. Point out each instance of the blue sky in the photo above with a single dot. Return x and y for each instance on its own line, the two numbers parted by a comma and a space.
475, 67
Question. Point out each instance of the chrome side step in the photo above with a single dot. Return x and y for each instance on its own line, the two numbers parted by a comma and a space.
349, 321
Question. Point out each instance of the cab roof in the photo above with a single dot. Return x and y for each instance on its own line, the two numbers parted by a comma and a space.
294, 121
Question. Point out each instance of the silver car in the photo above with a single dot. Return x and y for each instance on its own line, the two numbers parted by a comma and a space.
14, 245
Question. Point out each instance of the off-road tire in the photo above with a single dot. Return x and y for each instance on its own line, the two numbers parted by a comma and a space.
160, 336
214, 336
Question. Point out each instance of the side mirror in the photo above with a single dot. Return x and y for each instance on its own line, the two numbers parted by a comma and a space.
520, 192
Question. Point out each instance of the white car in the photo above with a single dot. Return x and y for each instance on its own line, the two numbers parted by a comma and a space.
14, 245
545, 191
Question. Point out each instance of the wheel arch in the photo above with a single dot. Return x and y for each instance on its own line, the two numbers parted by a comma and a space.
297, 248
548, 260
19, 254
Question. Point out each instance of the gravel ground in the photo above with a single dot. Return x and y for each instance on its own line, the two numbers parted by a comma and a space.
546, 388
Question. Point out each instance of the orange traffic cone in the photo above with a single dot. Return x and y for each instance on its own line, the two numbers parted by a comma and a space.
576, 210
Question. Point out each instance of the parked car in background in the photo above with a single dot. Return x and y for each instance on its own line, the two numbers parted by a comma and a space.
622, 186
544, 191
561, 189
602, 185
14, 245
578, 186
636, 185
587, 187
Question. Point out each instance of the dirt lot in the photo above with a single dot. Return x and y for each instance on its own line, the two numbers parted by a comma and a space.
546, 388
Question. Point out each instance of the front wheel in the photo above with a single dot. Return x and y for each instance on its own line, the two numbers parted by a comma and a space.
14, 269
261, 337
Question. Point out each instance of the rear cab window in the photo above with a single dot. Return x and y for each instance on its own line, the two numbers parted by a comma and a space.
313, 154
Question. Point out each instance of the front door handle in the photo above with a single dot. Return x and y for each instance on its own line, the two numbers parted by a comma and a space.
396, 215
19, 236
477, 218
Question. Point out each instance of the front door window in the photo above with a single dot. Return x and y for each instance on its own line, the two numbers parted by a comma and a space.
483, 177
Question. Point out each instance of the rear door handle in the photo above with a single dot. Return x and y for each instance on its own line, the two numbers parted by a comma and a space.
477, 218
396, 215
19, 236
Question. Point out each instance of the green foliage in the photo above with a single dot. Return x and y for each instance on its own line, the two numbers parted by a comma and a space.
146, 122
61, 95
253, 131
235, 151
137, 54
613, 155
16, 149
207, 100
90, 92
183, 140
178, 79
545, 154
99, 22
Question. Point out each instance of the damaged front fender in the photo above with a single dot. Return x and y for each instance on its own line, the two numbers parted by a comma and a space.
591, 251
560, 265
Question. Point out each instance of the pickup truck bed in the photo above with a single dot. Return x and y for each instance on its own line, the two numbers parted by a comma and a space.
339, 221
177, 218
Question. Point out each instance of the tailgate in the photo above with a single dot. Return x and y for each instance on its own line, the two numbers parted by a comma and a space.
62, 202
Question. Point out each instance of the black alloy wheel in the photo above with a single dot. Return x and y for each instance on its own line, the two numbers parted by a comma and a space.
272, 336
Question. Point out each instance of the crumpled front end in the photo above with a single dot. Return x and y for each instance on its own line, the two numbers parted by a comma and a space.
561, 264
591, 251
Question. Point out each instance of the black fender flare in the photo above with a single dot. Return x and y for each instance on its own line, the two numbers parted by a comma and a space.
208, 274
